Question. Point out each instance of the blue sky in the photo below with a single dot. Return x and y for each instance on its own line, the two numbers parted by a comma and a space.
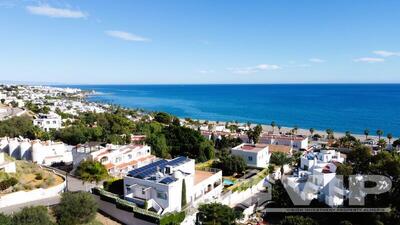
200, 41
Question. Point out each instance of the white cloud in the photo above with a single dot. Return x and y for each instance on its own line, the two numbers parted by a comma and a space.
254, 69
46, 10
386, 53
206, 71
126, 36
369, 60
316, 60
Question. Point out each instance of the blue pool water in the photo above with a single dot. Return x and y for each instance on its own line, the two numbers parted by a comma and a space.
341, 107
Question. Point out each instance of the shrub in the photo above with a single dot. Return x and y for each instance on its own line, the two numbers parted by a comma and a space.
39, 176
5, 184
37, 215
5, 219
76, 208
115, 186
173, 218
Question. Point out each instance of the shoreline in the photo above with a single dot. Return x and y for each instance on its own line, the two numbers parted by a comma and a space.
306, 132
266, 127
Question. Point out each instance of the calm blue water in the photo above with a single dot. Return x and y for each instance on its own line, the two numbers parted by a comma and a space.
352, 107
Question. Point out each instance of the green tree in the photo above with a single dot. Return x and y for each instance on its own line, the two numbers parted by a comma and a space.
158, 145
273, 124
91, 171
359, 159
298, 220
76, 208
163, 117
37, 215
231, 164
183, 196
19, 126
311, 131
389, 137
5, 219
366, 133
379, 133
280, 159
329, 133
217, 214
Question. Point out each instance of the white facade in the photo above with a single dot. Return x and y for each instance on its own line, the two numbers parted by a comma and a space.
120, 159
316, 177
48, 121
294, 141
7, 167
40, 152
255, 155
160, 184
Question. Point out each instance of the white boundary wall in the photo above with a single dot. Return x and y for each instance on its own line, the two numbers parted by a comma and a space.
21, 197
234, 198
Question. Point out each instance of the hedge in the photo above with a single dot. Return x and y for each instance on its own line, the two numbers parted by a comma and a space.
173, 218
127, 206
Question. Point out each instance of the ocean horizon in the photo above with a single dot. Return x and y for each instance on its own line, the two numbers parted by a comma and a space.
341, 107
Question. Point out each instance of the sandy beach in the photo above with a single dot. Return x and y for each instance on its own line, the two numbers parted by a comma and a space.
306, 132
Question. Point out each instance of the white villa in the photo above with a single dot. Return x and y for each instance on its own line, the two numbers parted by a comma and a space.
161, 184
294, 141
119, 160
255, 155
40, 152
315, 179
48, 121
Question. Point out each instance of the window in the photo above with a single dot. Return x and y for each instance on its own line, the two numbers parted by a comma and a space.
250, 158
161, 195
129, 156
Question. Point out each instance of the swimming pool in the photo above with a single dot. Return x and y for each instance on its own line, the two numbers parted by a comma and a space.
228, 182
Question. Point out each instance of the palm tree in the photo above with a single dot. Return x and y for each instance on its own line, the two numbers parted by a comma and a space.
273, 124
382, 143
311, 131
329, 132
279, 128
347, 133
366, 133
280, 159
295, 128
379, 133
389, 137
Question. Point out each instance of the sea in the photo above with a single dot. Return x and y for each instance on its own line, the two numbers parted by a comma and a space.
341, 107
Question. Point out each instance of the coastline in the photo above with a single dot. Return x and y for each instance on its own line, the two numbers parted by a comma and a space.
306, 132
266, 127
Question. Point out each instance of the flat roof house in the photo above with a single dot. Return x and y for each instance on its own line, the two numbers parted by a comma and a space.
119, 160
255, 155
316, 177
161, 184
48, 121
294, 141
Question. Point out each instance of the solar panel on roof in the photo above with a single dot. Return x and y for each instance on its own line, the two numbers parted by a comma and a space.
143, 168
167, 180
